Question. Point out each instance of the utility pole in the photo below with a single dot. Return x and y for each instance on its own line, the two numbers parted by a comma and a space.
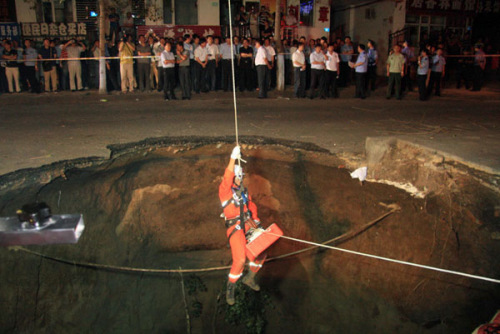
102, 47
280, 59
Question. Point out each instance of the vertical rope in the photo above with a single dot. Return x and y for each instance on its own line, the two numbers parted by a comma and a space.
232, 72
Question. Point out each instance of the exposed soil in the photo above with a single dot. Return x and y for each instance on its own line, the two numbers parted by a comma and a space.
157, 207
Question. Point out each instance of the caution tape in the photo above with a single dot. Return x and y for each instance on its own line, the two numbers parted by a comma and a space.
81, 58
157, 58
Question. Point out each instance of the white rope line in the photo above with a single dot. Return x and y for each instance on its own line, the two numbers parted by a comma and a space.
453, 272
156, 58
232, 75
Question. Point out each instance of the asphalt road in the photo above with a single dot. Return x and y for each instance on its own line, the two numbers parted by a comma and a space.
40, 129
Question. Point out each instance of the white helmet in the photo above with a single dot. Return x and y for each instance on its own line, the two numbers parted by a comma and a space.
238, 172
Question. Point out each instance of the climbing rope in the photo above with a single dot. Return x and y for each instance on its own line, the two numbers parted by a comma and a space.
233, 77
338, 240
389, 259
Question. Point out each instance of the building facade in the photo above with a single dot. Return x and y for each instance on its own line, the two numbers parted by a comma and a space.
417, 21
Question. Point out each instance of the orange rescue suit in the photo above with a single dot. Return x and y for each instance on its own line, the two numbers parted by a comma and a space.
237, 240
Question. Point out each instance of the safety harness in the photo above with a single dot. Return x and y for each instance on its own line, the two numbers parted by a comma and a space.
239, 199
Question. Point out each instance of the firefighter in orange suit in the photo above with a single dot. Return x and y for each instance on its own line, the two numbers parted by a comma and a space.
237, 203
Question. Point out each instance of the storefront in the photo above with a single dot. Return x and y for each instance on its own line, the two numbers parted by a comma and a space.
427, 20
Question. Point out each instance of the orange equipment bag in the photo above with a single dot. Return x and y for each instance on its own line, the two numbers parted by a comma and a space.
258, 240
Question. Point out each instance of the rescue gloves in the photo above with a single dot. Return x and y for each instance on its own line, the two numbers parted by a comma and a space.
236, 154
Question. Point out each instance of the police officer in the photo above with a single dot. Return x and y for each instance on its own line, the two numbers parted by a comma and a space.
423, 74
479, 65
372, 66
437, 72
360, 68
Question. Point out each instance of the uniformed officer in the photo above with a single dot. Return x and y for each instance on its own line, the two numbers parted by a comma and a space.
423, 74
360, 68
438, 65
479, 66
371, 78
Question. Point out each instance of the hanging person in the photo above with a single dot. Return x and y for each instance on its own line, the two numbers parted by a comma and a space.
240, 214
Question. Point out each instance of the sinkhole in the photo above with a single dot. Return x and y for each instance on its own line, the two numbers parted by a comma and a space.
154, 206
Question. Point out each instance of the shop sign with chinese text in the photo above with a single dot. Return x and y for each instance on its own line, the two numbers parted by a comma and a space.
171, 31
442, 7
10, 31
64, 31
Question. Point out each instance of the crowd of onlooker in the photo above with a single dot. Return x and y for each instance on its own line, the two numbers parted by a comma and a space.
197, 64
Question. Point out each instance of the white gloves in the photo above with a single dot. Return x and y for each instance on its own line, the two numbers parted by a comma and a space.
236, 154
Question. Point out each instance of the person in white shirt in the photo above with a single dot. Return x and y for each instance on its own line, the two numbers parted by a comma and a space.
271, 56
263, 66
299, 71
200, 67
158, 48
213, 59
318, 59
332, 71
226, 55
168, 62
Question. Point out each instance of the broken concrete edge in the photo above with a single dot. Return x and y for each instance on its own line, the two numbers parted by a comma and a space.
376, 149
45, 174
197, 141
448, 157
393, 141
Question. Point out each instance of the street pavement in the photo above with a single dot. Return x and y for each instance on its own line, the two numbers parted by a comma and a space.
36, 130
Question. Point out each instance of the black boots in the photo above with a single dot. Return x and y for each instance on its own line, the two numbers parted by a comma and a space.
249, 280
230, 293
